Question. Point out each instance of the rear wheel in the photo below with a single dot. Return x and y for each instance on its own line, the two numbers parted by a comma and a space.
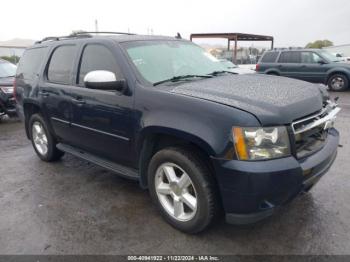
181, 186
338, 82
43, 142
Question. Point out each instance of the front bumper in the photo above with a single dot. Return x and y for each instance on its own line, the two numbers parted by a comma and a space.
7, 104
251, 190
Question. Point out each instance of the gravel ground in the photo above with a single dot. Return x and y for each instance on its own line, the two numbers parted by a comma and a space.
74, 207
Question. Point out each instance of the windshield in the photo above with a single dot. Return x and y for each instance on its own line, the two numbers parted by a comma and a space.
7, 69
160, 60
329, 56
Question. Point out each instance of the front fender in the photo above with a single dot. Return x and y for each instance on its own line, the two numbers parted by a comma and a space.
204, 123
172, 131
342, 70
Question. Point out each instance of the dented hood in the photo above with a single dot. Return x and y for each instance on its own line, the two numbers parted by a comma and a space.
273, 100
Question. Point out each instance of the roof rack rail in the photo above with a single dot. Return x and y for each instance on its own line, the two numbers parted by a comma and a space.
57, 38
102, 32
288, 48
78, 35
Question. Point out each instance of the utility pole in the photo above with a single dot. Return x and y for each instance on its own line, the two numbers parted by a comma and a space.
96, 25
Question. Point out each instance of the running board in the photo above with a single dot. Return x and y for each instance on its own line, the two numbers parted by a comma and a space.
123, 171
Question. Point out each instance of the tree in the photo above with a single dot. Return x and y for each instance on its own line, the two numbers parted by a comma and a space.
13, 59
74, 32
319, 44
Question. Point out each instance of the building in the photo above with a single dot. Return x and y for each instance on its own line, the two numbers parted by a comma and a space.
343, 50
14, 47
11, 51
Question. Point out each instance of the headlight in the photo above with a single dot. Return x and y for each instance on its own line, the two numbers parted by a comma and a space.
261, 143
7, 89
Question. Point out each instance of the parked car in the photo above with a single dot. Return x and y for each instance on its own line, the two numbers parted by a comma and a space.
235, 68
342, 58
313, 65
7, 101
162, 111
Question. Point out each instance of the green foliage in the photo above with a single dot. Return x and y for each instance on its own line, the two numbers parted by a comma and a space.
319, 44
74, 32
13, 59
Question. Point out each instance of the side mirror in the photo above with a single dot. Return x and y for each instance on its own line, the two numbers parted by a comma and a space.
321, 62
104, 80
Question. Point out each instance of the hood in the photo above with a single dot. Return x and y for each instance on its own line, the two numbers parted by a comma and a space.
240, 70
341, 64
273, 100
6, 81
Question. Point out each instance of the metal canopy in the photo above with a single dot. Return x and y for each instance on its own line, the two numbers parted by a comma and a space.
234, 37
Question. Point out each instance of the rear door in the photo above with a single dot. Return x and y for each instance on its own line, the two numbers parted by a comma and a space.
102, 120
56, 89
268, 62
289, 64
27, 75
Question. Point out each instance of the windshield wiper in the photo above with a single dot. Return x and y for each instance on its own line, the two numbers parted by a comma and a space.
215, 73
183, 77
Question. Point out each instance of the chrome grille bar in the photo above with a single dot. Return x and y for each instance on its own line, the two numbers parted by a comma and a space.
326, 118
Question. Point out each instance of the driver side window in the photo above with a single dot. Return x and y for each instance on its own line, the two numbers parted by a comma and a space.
310, 58
97, 57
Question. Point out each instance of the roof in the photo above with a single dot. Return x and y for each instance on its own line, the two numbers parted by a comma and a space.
125, 38
233, 36
115, 37
293, 49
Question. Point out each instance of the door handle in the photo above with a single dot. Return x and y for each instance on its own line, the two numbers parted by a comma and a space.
44, 93
79, 102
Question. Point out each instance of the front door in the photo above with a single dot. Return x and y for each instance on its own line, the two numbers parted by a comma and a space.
102, 120
311, 69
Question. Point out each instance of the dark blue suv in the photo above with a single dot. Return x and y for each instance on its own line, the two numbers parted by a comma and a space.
313, 65
164, 112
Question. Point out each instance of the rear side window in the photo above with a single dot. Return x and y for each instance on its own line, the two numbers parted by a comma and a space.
30, 62
290, 57
61, 64
97, 57
269, 57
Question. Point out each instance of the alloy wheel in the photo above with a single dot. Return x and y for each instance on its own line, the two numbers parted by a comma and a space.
176, 192
337, 83
39, 138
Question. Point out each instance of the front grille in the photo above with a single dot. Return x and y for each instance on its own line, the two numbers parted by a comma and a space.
310, 133
310, 142
11, 103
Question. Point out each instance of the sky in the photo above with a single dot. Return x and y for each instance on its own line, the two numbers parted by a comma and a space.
291, 22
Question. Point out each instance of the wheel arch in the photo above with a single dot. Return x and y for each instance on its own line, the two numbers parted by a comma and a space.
272, 72
153, 139
337, 71
31, 107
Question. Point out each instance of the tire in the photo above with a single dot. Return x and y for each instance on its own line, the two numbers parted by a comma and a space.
338, 82
202, 188
39, 139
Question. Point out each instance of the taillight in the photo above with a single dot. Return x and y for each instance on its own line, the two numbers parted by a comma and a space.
257, 67
14, 89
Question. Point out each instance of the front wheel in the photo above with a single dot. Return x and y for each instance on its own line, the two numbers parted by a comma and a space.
338, 82
182, 187
43, 142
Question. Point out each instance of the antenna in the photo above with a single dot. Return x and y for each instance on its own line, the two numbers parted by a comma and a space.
96, 25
